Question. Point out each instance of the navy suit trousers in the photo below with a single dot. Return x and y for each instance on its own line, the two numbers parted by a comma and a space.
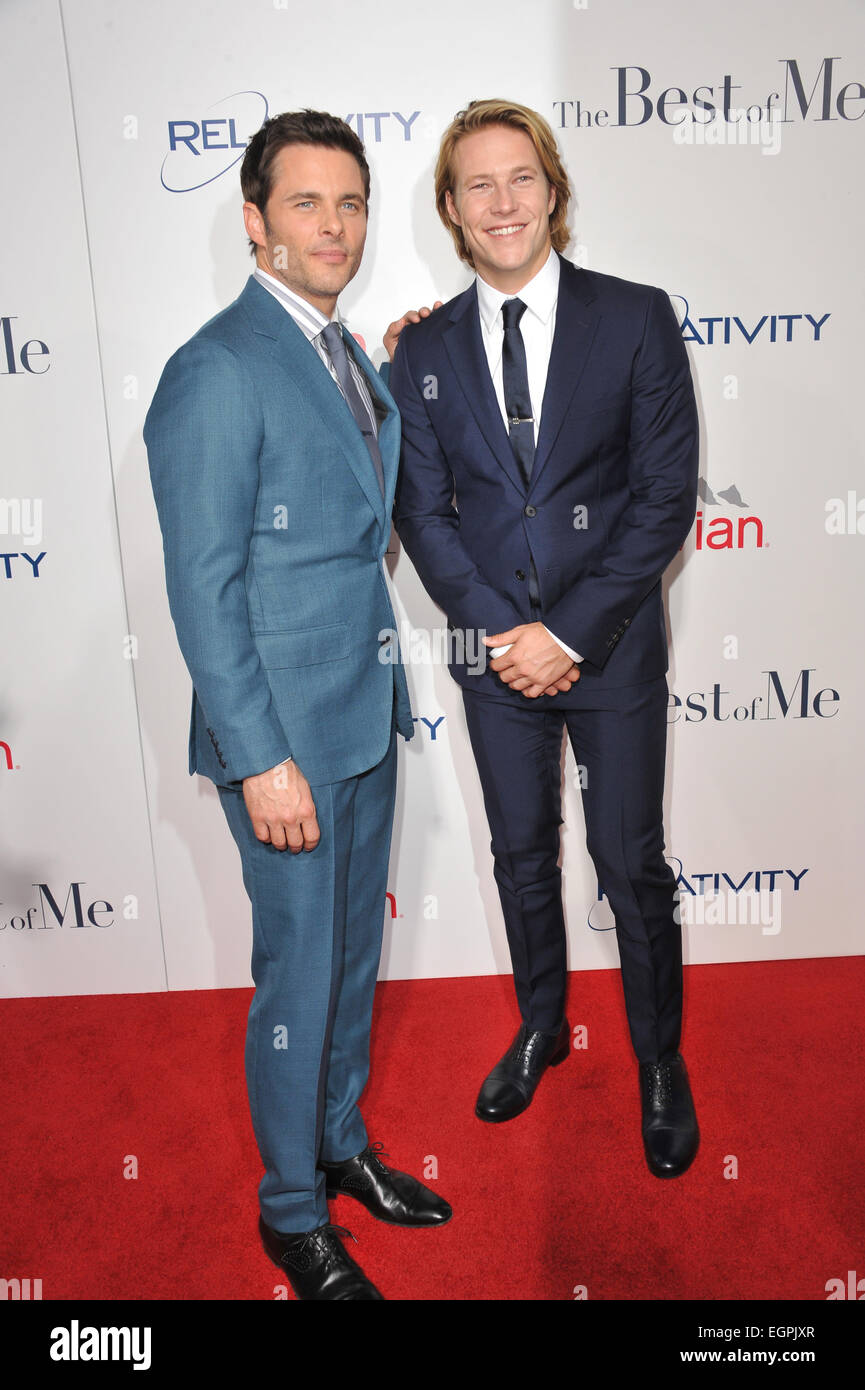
620, 741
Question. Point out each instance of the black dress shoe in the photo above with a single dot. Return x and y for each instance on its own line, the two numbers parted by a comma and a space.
386, 1192
317, 1264
670, 1133
509, 1088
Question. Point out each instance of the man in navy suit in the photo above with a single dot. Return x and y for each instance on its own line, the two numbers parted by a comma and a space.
548, 477
273, 447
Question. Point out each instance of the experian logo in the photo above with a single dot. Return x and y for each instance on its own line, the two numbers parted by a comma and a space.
203, 149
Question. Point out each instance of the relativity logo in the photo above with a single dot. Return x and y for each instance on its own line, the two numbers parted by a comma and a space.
714, 330
748, 897
201, 148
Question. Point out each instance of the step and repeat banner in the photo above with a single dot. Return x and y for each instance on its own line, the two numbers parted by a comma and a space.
715, 151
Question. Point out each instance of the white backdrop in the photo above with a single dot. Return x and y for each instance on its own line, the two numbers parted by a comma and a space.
714, 150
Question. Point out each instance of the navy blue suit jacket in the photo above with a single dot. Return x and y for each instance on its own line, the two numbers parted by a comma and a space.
612, 494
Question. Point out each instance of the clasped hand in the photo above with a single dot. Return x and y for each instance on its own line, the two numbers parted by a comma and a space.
536, 664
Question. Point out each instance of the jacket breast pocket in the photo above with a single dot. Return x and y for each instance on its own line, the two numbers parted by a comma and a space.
305, 647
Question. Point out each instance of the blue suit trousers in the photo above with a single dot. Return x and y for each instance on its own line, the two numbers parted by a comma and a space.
317, 921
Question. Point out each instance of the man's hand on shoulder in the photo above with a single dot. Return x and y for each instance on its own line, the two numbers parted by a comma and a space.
534, 663
281, 808
391, 337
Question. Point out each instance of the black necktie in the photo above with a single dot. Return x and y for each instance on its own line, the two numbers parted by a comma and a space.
515, 380
338, 352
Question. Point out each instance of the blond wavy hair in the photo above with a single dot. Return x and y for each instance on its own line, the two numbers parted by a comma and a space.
476, 116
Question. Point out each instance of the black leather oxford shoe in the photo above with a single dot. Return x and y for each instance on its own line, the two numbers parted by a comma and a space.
509, 1088
317, 1264
392, 1196
670, 1132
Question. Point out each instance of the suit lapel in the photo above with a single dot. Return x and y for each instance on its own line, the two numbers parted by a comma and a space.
298, 358
576, 323
389, 425
465, 348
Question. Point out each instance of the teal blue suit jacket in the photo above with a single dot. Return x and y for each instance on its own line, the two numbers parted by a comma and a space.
274, 531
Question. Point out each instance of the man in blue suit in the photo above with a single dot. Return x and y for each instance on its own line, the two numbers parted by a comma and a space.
273, 447
548, 477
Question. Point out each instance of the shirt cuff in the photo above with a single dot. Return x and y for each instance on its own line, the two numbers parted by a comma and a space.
564, 646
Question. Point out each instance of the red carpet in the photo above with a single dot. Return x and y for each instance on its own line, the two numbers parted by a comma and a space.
556, 1199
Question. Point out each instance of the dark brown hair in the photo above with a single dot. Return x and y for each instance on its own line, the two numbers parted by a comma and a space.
294, 128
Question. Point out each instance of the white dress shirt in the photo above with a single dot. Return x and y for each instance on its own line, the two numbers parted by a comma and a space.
537, 325
311, 322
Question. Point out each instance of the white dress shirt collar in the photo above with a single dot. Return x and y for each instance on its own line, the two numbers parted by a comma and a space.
539, 295
309, 319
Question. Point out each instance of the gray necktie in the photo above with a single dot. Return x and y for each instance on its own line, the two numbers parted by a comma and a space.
333, 341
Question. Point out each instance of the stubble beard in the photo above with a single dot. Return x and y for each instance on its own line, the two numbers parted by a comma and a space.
310, 280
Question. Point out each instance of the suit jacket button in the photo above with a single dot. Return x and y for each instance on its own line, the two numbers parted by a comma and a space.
519, 574
530, 510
